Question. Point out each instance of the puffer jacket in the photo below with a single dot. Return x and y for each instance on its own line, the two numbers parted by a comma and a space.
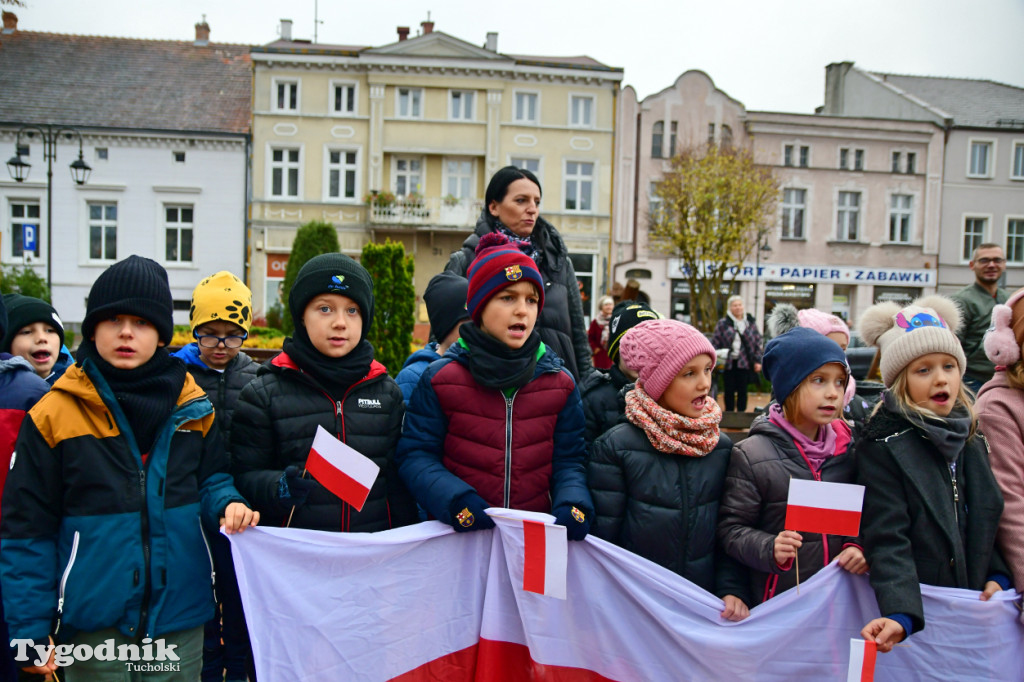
753, 508
93, 538
560, 324
604, 401
524, 451
274, 426
223, 388
64, 360
920, 524
413, 368
663, 506
20, 389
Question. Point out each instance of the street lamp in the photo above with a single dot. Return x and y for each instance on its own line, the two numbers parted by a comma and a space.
19, 169
762, 247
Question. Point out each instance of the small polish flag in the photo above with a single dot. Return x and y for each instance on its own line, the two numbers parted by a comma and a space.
820, 507
862, 661
340, 469
546, 558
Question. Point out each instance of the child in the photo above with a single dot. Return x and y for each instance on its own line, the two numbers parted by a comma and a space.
20, 389
924, 464
220, 317
657, 480
1000, 410
117, 468
36, 333
800, 437
497, 421
445, 297
326, 377
604, 394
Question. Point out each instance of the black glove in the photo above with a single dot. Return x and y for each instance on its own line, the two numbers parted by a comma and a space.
575, 520
292, 488
467, 513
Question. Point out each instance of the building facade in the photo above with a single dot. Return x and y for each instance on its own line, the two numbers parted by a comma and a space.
399, 142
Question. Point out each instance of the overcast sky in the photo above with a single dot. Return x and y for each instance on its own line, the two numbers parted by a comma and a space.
768, 54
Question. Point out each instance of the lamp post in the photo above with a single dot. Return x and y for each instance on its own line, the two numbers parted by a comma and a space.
19, 170
762, 246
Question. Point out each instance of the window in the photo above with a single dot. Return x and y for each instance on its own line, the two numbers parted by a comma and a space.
343, 99
900, 217
787, 155
179, 157
653, 203
726, 136
911, 163
459, 178
581, 111
805, 156
102, 154
461, 105
583, 266
672, 139
794, 205
408, 176
526, 107
342, 171
980, 161
409, 103
1015, 240
897, 162
657, 135
858, 159
844, 158
848, 215
1017, 172
532, 165
23, 213
178, 230
711, 139
103, 231
579, 186
974, 236
284, 172
789, 158
286, 95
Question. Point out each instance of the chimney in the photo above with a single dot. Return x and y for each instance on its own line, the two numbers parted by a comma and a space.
403, 33
202, 33
492, 41
428, 27
286, 29
10, 22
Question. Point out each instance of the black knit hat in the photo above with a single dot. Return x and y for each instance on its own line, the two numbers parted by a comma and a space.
23, 311
445, 297
3, 317
135, 286
625, 316
332, 273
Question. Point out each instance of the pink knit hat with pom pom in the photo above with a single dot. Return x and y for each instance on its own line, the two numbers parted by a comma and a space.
658, 349
823, 323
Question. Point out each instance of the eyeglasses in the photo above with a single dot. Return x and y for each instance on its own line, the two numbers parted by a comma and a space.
207, 341
986, 261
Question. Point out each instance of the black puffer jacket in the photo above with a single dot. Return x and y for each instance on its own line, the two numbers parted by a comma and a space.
753, 509
222, 388
663, 506
912, 532
604, 401
561, 324
274, 425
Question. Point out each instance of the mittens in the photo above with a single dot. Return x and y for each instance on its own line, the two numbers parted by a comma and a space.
575, 520
292, 488
467, 513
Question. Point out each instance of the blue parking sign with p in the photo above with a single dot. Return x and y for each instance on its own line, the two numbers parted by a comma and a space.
28, 237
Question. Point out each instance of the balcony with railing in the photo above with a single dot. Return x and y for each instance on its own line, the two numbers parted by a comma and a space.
416, 210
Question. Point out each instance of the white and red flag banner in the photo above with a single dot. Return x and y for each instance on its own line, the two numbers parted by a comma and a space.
341, 469
862, 661
545, 558
426, 603
822, 507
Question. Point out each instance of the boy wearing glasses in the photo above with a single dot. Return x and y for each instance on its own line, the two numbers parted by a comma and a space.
220, 317
976, 302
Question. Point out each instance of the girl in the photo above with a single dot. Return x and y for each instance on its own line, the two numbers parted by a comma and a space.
597, 335
657, 480
924, 464
800, 437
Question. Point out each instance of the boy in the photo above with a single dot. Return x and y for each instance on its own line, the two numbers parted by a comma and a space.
497, 421
220, 317
117, 468
36, 333
326, 377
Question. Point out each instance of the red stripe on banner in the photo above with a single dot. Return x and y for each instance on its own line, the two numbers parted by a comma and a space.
337, 481
867, 669
818, 520
493, 660
534, 559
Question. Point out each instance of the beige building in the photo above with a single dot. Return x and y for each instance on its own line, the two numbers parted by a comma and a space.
399, 142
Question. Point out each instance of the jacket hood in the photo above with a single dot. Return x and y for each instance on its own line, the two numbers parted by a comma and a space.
13, 363
281, 361
78, 383
884, 423
428, 353
997, 381
191, 357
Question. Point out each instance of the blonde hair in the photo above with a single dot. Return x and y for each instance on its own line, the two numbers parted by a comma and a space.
1015, 374
790, 409
900, 390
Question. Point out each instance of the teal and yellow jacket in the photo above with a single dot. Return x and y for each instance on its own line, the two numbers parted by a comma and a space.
93, 538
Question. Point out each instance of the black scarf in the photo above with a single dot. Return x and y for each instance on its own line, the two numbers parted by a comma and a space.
147, 394
336, 375
495, 365
524, 244
948, 434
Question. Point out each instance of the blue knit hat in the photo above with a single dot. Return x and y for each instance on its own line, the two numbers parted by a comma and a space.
791, 357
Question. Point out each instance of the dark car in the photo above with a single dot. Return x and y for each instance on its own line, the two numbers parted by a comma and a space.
859, 355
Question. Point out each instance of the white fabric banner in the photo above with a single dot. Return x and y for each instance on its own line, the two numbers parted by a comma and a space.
358, 606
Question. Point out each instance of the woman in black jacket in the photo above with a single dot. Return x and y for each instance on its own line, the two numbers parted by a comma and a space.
512, 207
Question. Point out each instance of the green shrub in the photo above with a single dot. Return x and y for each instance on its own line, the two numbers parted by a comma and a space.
25, 281
394, 300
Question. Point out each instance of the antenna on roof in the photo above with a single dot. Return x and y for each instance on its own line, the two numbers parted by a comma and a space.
316, 19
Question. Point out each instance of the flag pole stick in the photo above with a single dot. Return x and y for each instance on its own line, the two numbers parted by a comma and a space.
798, 571
292, 512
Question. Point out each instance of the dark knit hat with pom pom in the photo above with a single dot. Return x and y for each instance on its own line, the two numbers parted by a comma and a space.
499, 264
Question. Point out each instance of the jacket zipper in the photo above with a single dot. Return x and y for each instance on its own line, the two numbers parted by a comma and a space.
64, 580
508, 447
143, 611
956, 495
209, 555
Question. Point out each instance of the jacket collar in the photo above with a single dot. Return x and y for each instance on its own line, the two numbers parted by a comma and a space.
79, 383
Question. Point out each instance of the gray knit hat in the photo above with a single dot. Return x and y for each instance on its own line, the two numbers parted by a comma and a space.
928, 325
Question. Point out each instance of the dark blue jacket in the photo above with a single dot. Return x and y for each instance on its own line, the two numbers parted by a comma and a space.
20, 389
413, 368
64, 360
222, 388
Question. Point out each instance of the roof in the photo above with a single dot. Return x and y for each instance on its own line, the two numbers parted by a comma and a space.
124, 83
971, 103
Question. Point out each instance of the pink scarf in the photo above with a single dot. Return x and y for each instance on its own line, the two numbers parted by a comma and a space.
670, 432
826, 444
